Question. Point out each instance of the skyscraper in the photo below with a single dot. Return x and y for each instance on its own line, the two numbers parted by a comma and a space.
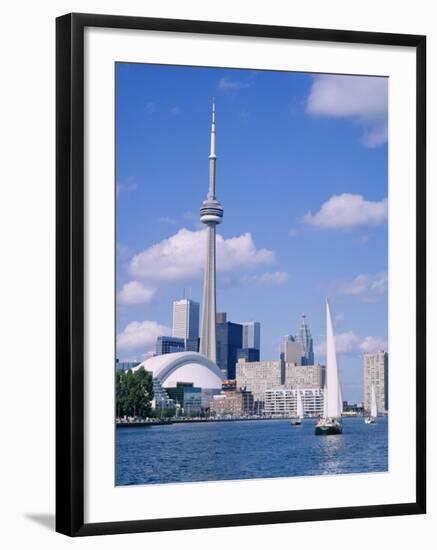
186, 323
306, 341
291, 351
252, 335
211, 214
376, 375
229, 341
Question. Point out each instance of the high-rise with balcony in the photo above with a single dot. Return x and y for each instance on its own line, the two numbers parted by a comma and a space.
376, 375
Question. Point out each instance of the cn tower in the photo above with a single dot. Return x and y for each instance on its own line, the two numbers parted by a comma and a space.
211, 214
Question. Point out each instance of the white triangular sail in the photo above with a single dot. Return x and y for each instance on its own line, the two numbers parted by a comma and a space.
299, 406
325, 402
373, 407
340, 399
332, 380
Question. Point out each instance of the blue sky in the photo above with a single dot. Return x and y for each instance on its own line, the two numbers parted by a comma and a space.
302, 176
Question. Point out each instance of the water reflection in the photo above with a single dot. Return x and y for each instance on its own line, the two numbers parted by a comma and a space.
246, 450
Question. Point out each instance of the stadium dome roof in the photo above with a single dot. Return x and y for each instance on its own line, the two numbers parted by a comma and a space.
185, 366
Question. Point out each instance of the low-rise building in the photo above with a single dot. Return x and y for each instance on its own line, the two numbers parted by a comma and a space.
233, 403
187, 396
283, 401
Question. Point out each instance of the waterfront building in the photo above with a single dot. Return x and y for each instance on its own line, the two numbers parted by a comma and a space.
376, 374
125, 365
251, 335
186, 323
283, 401
169, 344
187, 396
309, 376
248, 354
211, 214
161, 400
291, 351
259, 376
185, 366
305, 339
229, 341
207, 396
233, 403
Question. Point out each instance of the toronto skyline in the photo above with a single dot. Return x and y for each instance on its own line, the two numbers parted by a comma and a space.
303, 178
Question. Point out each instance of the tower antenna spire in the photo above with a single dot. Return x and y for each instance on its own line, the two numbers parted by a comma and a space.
211, 214
212, 156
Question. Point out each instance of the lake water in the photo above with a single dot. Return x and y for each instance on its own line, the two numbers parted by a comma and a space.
246, 450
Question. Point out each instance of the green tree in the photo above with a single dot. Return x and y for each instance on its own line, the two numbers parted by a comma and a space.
133, 392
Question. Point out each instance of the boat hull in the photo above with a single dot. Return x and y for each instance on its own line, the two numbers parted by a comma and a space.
329, 428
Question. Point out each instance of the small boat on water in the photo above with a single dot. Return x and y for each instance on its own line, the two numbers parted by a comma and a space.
330, 423
373, 409
297, 421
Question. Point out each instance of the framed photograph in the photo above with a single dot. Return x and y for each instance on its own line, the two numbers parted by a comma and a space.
240, 274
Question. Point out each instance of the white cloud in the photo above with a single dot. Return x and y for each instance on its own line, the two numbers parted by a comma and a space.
346, 211
361, 98
175, 110
129, 185
123, 251
292, 232
181, 256
227, 83
350, 342
275, 278
134, 293
371, 344
167, 220
365, 286
151, 107
140, 334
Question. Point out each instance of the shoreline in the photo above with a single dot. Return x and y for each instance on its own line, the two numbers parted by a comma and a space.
207, 420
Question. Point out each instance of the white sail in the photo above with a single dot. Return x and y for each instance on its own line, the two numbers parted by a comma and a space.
325, 402
373, 407
340, 399
299, 406
332, 380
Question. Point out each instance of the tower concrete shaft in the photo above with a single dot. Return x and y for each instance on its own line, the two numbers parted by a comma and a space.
211, 214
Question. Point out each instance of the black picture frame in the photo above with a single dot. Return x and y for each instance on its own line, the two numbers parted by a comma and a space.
70, 273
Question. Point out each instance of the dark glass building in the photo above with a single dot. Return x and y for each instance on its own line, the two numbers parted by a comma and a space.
229, 341
169, 344
249, 354
187, 396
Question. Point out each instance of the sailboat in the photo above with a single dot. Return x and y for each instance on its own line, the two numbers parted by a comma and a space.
297, 421
373, 409
330, 423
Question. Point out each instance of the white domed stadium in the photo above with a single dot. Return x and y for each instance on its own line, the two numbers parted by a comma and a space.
185, 366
